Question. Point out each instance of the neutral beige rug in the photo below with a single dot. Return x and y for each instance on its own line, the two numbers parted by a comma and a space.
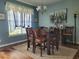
63, 53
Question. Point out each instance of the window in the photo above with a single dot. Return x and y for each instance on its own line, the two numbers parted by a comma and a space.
18, 18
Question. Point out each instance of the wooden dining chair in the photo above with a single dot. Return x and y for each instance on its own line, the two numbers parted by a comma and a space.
34, 36
44, 33
40, 39
29, 35
57, 33
52, 40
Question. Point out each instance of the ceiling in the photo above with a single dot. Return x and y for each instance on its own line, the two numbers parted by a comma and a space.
39, 2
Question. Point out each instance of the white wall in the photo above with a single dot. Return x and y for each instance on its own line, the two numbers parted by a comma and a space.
71, 5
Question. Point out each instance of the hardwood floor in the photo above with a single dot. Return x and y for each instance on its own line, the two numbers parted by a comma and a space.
77, 55
63, 53
10, 53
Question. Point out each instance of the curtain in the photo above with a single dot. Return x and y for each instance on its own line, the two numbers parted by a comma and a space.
19, 17
20, 8
22, 15
11, 21
27, 20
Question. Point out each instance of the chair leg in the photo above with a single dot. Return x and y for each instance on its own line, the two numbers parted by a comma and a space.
34, 46
44, 46
28, 44
52, 48
57, 46
48, 49
41, 50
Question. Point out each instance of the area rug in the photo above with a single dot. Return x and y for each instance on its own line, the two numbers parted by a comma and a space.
10, 53
63, 53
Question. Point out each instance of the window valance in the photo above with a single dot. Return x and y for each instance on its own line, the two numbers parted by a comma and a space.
20, 8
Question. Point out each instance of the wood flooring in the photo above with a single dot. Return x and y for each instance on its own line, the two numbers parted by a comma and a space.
9, 53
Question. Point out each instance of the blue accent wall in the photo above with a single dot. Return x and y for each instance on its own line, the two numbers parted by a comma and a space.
3, 24
4, 36
35, 22
71, 5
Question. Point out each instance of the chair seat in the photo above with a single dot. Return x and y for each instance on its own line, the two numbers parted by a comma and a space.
39, 40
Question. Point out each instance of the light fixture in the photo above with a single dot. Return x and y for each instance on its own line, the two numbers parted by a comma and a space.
41, 8
76, 14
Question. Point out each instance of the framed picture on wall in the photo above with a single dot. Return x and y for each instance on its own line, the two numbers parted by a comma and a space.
2, 16
59, 15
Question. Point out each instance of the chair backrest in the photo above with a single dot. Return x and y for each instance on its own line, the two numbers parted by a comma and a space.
51, 32
44, 31
35, 33
38, 35
29, 33
54, 35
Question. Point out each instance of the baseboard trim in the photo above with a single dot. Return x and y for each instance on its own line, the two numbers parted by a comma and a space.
9, 44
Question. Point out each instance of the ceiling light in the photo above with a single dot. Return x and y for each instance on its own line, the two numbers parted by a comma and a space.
41, 8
